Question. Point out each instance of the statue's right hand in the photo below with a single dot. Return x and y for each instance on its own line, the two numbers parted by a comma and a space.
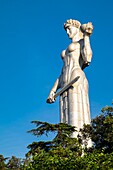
51, 98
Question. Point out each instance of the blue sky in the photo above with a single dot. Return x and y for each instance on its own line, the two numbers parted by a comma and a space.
31, 40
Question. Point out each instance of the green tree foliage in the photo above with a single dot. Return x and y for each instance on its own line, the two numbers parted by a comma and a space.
101, 131
65, 152
57, 153
2, 162
14, 163
62, 139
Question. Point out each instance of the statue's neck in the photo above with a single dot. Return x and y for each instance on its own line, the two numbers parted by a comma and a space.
76, 38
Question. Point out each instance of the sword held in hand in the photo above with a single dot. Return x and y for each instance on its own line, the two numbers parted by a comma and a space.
66, 87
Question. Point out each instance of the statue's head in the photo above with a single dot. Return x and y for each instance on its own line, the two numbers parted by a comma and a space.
72, 27
72, 22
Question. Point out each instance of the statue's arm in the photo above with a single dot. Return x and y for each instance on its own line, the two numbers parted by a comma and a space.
86, 50
56, 86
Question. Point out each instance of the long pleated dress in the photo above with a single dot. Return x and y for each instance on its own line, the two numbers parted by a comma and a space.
74, 103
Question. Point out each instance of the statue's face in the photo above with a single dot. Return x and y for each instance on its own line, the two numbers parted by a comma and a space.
71, 31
